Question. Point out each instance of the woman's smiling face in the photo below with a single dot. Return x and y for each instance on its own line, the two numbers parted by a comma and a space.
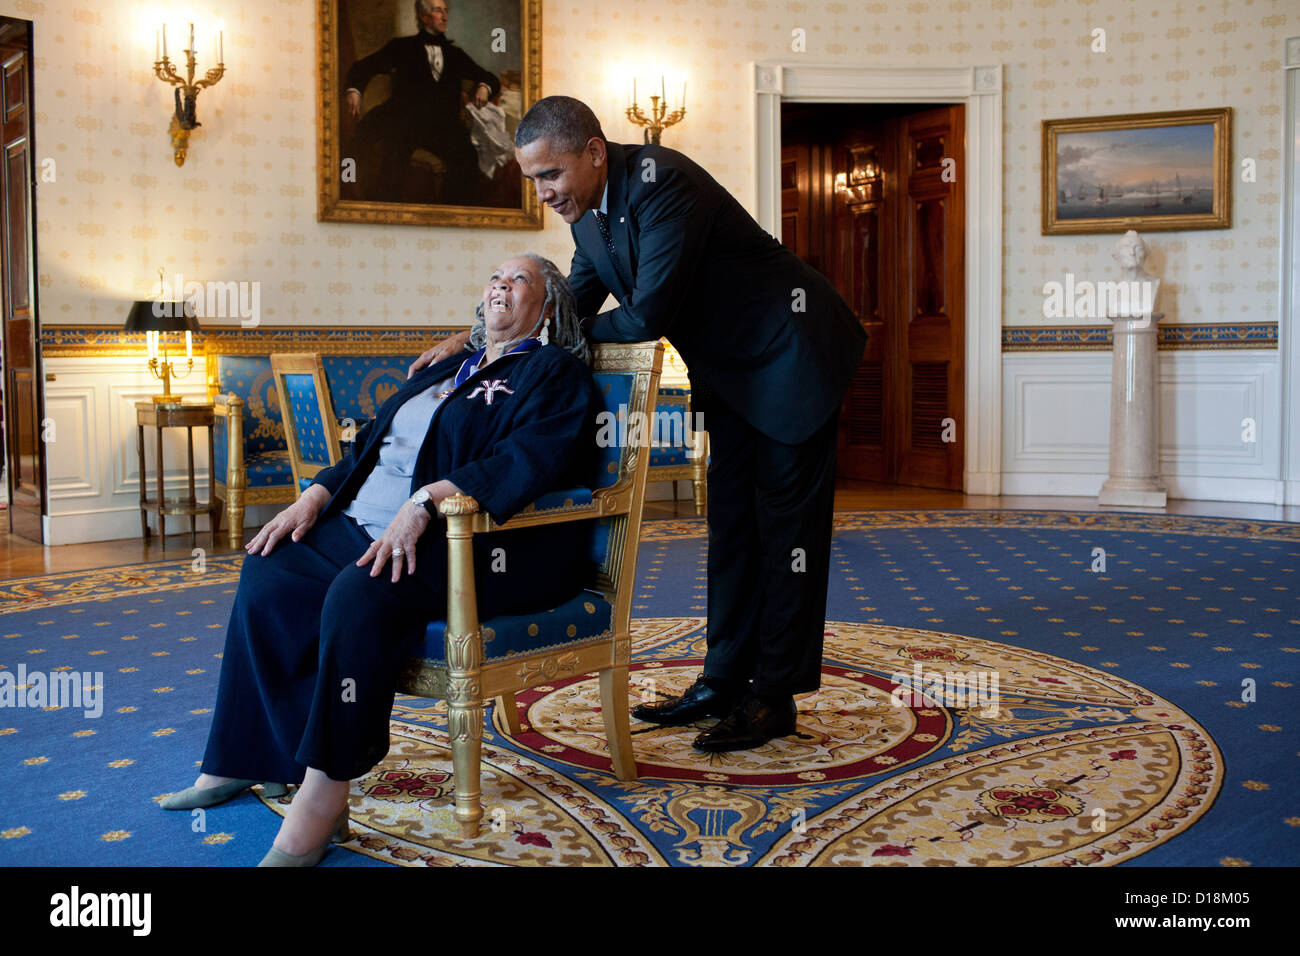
512, 299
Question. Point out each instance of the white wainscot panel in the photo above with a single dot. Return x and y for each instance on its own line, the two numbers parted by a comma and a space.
1056, 416
71, 458
93, 462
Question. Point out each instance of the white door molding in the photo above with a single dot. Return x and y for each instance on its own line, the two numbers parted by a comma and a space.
1288, 330
980, 89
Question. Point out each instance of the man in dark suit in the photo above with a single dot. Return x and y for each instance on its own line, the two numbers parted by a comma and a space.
771, 348
423, 111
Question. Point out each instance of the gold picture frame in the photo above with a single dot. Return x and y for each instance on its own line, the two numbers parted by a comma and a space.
1141, 158
431, 190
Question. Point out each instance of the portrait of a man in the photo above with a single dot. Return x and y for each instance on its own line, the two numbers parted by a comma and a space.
419, 103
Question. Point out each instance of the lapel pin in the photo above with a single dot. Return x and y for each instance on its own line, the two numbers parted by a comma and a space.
620, 218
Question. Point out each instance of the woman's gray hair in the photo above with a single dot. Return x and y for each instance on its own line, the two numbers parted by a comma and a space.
565, 330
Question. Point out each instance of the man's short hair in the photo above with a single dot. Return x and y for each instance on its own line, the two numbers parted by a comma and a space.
562, 121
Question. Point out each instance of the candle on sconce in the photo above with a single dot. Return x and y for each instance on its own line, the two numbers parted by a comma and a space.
634, 91
164, 35
156, 47
662, 95
189, 344
191, 49
683, 96
221, 46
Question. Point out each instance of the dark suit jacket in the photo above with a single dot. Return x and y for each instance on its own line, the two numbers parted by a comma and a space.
416, 95
758, 328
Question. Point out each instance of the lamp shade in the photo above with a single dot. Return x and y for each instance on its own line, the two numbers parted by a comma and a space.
157, 316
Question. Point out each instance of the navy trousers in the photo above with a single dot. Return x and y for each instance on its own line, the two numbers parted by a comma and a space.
771, 508
315, 644
312, 654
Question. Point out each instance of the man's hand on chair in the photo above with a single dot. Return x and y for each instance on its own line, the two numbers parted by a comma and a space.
442, 350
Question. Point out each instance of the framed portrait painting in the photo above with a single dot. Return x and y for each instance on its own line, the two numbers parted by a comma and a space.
417, 106
1146, 171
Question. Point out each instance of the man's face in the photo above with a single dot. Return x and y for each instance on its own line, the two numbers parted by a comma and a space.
435, 18
570, 183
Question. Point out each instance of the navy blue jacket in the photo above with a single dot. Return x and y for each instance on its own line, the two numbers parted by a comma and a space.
537, 437
758, 327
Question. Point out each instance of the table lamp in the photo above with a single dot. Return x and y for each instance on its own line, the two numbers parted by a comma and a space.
156, 319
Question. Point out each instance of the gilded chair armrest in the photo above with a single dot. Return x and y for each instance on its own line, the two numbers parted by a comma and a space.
612, 500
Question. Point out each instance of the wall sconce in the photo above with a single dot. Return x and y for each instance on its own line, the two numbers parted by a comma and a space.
864, 180
659, 119
187, 90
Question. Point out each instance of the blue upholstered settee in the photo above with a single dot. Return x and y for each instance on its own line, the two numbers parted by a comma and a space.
252, 458
678, 452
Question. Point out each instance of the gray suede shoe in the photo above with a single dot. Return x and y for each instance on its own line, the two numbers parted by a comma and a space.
192, 797
339, 833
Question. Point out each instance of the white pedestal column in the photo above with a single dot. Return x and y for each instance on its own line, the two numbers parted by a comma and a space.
1134, 416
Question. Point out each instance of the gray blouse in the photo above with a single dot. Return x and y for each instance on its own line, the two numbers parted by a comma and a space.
388, 485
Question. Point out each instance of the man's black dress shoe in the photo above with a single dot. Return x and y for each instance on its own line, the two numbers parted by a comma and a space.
753, 722
699, 701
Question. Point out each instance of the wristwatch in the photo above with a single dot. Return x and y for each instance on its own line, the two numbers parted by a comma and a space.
422, 499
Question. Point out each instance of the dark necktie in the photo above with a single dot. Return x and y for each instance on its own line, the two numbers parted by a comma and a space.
602, 223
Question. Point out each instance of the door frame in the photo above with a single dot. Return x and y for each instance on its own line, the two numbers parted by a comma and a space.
980, 89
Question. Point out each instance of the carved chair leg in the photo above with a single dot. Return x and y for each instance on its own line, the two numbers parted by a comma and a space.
465, 722
701, 489
508, 708
235, 513
614, 708
464, 649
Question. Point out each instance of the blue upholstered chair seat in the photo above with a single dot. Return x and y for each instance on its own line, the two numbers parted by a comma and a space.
269, 469
662, 457
583, 617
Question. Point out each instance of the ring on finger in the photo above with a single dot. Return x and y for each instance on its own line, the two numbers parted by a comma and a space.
398, 552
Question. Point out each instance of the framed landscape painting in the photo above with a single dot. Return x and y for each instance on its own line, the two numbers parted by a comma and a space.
417, 106
1147, 171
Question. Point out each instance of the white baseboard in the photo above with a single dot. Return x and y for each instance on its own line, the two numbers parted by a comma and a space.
982, 483
86, 526
1189, 487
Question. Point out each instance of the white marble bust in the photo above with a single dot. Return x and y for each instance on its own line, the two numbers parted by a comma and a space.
1130, 255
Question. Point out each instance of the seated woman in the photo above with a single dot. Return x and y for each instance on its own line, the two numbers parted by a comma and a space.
338, 588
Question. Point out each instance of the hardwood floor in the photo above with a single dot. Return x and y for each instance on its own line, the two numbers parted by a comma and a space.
21, 558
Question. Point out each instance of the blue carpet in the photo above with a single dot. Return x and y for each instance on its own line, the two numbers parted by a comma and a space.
1122, 692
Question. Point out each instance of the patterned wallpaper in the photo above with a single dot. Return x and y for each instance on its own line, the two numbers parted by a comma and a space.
243, 206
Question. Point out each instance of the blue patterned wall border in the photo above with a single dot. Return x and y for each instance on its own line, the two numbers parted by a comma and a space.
86, 340
1097, 338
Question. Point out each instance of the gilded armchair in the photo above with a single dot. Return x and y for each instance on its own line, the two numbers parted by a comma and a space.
466, 661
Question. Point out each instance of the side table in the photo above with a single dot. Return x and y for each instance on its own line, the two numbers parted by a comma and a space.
185, 415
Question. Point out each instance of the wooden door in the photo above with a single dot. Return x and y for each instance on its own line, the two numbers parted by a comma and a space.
876, 209
863, 261
931, 281
24, 447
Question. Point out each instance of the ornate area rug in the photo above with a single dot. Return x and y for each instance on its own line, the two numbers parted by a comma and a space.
993, 694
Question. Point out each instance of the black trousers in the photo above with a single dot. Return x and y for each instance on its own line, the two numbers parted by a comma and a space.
771, 507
